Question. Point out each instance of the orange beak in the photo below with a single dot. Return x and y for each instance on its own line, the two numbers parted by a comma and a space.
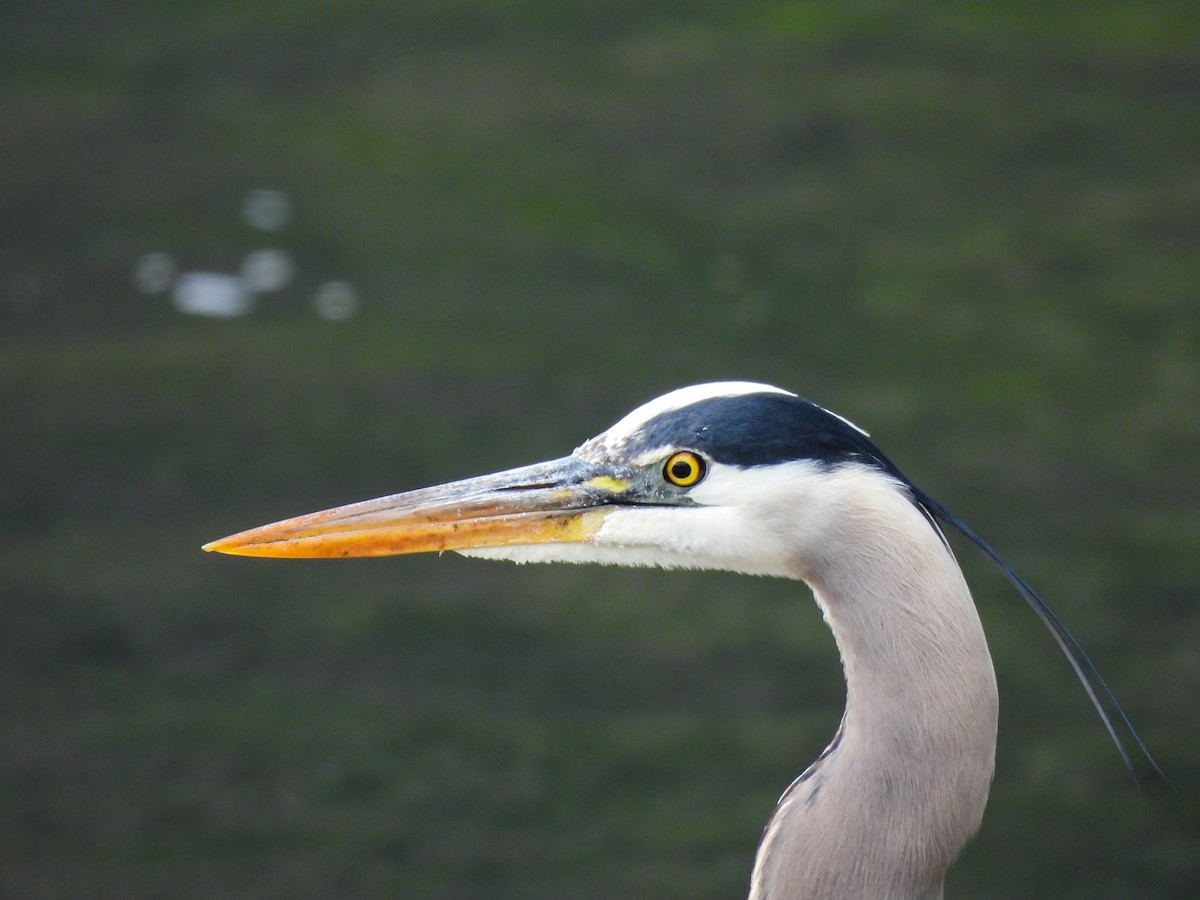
561, 501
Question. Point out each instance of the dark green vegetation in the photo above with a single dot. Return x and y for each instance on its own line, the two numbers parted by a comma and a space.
974, 230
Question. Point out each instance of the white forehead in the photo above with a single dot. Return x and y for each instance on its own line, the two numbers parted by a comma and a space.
678, 399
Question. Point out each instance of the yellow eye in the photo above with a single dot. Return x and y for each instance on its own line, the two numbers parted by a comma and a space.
684, 468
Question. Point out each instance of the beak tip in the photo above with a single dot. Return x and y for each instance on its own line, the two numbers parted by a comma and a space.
221, 545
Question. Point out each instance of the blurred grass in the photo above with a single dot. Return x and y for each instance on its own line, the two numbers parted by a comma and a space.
971, 229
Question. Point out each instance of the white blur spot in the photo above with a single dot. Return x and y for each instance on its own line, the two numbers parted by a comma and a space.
267, 270
267, 209
153, 273
211, 294
336, 301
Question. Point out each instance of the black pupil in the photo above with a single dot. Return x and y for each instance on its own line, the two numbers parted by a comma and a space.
681, 469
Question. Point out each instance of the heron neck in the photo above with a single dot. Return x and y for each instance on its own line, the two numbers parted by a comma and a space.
902, 787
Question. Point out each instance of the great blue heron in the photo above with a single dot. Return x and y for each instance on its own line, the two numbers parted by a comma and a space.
751, 478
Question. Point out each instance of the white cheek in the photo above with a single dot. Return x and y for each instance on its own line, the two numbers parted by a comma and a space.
663, 537
758, 487
705, 537
778, 515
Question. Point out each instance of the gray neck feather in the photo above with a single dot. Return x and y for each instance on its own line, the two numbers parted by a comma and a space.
885, 810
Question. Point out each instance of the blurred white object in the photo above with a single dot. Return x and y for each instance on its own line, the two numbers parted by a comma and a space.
267, 270
335, 301
211, 294
154, 272
267, 209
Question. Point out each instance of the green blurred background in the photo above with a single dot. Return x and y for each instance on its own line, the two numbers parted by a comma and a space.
971, 228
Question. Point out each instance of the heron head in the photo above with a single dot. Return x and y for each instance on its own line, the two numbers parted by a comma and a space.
697, 478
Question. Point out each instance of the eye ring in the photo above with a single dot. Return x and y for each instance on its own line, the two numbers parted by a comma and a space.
684, 469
